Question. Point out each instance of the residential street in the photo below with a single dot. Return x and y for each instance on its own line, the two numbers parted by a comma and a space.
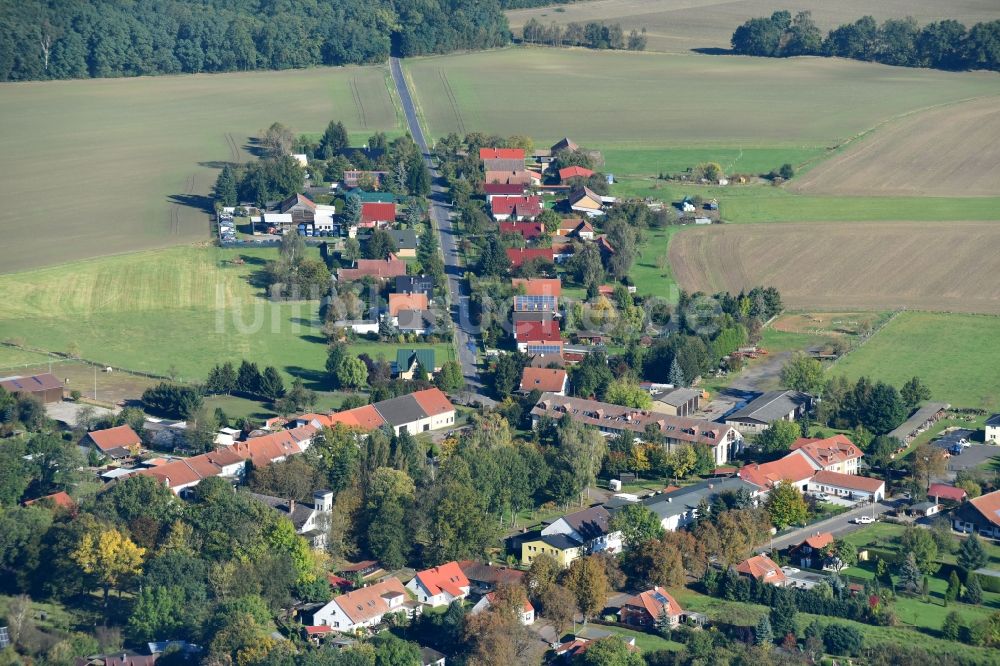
465, 333
838, 526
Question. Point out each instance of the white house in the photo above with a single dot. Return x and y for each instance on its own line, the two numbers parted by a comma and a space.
993, 429
833, 454
850, 486
589, 527
365, 607
527, 613
440, 586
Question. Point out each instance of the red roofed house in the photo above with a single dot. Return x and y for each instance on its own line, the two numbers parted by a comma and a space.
515, 208
538, 286
576, 227
980, 514
119, 442
763, 568
416, 301
440, 586
365, 607
519, 255
850, 486
528, 230
833, 454
527, 611
501, 153
810, 552
574, 172
645, 608
377, 214
380, 269
794, 469
510, 174
60, 499
943, 492
538, 337
503, 190
552, 380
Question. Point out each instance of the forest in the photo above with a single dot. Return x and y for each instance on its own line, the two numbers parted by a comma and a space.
942, 45
73, 39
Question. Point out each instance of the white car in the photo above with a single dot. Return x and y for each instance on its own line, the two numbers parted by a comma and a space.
864, 520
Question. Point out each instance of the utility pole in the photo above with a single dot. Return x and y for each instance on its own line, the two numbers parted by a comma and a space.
95, 383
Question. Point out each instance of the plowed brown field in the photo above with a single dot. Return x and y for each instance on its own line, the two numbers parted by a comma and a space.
949, 151
953, 266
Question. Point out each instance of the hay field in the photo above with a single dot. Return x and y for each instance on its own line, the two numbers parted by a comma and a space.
104, 166
183, 307
647, 101
948, 267
955, 354
949, 151
682, 25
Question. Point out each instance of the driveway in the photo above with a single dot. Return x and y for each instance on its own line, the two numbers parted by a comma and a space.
68, 412
465, 332
838, 526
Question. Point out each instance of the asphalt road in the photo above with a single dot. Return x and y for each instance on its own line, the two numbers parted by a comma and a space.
837, 525
465, 332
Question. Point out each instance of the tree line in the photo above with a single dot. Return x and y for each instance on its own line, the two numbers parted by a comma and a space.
593, 35
944, 44
104, 38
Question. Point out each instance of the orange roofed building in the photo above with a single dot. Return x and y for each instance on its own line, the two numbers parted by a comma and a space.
645, 608
833, 454
415, 301
793, 469
763, 568
551, 380
440, 586
365, 607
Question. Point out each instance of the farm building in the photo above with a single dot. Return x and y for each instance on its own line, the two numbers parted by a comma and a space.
921, 420
586, 201
850, 486
756, 415
574, 172
46, 386
677, 402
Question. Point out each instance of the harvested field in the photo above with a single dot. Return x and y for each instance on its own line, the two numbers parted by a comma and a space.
822, 323
105, 166
682, 25
949, 151
950, 267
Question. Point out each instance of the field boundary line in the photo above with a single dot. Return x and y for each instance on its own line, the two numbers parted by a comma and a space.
862, 343
864, 134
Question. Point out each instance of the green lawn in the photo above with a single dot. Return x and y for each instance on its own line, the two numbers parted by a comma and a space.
642, 160
133, 159
955, 355
646, 274
644, 641
186, 308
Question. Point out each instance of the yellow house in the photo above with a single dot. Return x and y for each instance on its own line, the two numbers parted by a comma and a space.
561, 548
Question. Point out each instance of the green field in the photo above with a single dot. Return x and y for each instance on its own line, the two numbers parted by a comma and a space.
106, 166
682, 25
955, 354
186, 308
642, 100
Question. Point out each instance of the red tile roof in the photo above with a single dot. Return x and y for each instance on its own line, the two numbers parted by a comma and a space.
829, 451
365, 417
503, 189
173, 475
654, 600
538, 286
60, 499
529, 230
848, 481
989, 506
448, 577
519, 255
946, 492
378, 212
516, 206
377, 268
792, 468
543, 379
508, 177
433, 401
415, 301
574, 172
537, 331
759, 567
112, 438
819, 541
366, 603
501, 153
528, 608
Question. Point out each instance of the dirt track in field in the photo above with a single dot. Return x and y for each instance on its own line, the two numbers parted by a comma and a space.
941, 266
949, 151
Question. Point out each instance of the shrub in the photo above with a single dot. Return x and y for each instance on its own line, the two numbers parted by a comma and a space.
841, 640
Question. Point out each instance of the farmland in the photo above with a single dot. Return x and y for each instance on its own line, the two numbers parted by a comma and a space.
894, 160
683, 25
956, 355
752, 113
179, 310
106, 166
848, 266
